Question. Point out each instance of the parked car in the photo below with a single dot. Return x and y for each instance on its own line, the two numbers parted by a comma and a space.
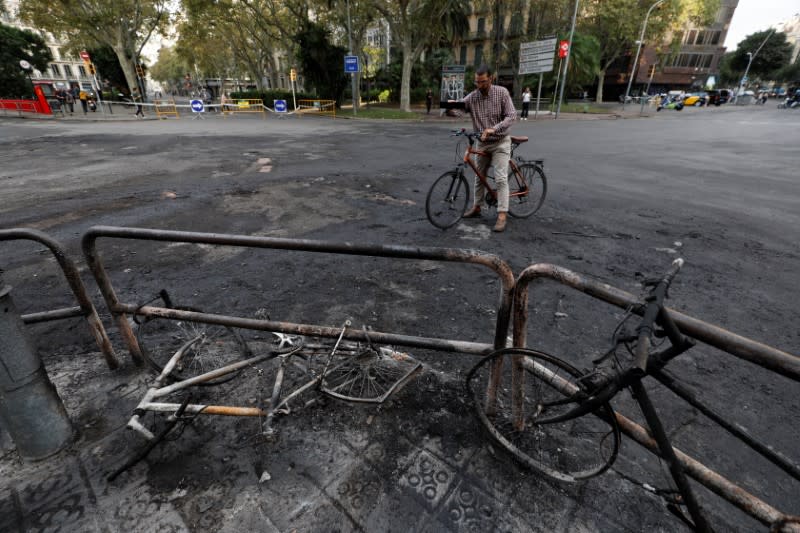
696, 99
719, 96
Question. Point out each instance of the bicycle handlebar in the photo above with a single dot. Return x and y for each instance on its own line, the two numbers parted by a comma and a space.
471, 135
655, 304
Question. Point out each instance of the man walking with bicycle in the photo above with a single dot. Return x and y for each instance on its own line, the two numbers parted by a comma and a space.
493, 115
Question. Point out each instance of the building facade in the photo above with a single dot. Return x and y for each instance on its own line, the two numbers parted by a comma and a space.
791, 28
693, 67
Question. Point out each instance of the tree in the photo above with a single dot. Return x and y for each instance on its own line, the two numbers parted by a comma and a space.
169, 69
415, 24
616, 24
321, 61
17, 45
123, 25
775, 53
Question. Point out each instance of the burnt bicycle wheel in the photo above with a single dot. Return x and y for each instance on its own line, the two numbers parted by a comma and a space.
569, 450
215, 346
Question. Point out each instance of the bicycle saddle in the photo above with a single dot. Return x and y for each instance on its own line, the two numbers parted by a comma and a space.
518, 140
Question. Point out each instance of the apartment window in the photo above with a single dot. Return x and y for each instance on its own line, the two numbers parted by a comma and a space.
67, 71
691, 35
481, 25
463, 56
55, 70
713, 37
701, 37
82, 71
478, 54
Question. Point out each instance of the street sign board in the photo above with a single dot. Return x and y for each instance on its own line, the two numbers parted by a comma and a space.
280, 106
351, 64
452, 87
537, 56
563, 49
197, 106
84, 55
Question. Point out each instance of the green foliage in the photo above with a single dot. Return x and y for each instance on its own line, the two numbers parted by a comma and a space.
170, 69
17, 45
789, 74
108, 69
774, 55
321, 62
123, 25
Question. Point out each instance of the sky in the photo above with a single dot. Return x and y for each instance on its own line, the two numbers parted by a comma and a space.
752, 16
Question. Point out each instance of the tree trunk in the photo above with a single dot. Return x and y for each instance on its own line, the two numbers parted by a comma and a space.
405, 80
601, 77
126, 63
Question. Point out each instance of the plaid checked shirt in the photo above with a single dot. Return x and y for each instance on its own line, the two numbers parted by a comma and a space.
495, 110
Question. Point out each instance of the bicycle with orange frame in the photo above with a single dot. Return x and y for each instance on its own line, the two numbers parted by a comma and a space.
449, 195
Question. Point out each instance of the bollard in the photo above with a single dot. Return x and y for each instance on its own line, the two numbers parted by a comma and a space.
30, 409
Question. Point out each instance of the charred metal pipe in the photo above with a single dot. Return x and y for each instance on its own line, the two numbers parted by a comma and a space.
783, 363
120, 310
30, 408
71, 274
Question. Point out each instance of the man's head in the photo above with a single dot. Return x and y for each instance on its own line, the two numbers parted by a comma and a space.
483, 79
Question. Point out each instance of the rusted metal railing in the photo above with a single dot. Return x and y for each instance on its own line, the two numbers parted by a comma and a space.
783, 363
121, 310
85, 307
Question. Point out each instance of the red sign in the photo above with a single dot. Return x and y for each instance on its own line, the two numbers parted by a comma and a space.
563, 49
84, 55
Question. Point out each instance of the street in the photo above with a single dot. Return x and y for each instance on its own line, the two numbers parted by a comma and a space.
626, 196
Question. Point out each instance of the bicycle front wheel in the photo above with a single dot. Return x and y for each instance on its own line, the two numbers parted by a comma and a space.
447, 199
569, 450
216, 346
526, 189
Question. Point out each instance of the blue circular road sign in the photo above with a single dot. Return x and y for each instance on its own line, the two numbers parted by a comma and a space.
197, 106
280, 106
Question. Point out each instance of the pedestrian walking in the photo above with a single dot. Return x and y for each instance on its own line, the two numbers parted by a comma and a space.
526, 102
429, 101
70, 100
137, 98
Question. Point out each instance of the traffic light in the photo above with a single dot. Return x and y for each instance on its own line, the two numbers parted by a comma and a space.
652, 71
92, 70
293, 75
139, 70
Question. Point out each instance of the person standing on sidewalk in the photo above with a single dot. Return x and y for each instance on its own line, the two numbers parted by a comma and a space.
493, 114
526, 102
83, 96
428, 101
137, 99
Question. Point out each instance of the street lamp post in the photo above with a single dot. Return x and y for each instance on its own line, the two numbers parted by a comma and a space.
744, 77
750, 62
638, 51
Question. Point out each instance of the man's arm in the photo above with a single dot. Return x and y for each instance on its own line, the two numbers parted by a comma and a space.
509, 114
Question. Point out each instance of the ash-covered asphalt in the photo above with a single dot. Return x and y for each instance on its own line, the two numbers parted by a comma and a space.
625, 197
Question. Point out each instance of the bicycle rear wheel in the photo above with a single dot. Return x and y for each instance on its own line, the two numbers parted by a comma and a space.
447, 199
526, 190
217, 346
569, 450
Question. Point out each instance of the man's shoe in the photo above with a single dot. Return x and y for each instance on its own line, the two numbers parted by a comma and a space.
473, 213
500, 225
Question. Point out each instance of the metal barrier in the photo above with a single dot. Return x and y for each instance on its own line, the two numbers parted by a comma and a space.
766, 356
317, 107
71, 274
120, 310
243, 105
166, 109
